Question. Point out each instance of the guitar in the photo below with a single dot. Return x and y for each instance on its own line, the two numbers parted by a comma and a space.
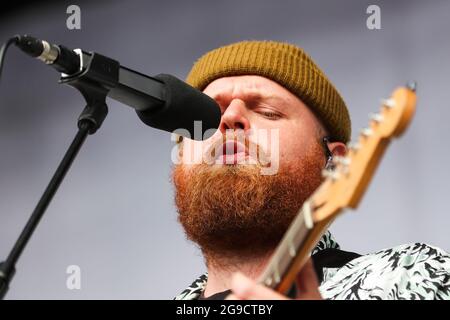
342, 188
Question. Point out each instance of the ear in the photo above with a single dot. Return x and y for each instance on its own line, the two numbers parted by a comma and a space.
337, 148
180, 146
177, 150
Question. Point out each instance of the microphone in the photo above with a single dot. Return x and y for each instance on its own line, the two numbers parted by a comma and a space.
163, 101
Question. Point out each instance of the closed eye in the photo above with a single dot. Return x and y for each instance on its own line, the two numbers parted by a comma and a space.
270, 114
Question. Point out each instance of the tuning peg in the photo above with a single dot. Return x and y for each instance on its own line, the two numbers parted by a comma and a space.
354, 146
345, 161
412, 85
366, 132
333, 175
389, 103
377, 117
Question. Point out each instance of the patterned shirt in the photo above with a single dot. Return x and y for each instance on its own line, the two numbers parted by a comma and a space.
410, 271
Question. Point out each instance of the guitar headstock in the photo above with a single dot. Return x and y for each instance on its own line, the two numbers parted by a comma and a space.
344, 186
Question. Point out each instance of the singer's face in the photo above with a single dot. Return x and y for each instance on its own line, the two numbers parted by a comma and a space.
279, 126
235, 201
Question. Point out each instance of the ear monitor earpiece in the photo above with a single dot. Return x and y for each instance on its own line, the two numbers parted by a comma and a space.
330, 165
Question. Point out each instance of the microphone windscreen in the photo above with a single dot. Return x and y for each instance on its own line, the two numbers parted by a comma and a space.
183, 105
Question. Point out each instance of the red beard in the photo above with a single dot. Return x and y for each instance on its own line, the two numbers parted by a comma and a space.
233, 210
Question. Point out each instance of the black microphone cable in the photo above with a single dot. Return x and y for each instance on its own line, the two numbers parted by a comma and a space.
3, 50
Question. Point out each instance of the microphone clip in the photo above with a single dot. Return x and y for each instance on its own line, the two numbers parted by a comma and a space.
97, 76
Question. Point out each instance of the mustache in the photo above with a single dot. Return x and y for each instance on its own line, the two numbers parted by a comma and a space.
254, 150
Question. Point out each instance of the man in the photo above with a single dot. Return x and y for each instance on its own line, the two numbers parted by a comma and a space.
238, 191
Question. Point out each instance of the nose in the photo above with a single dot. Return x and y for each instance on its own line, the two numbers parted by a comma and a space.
235, 117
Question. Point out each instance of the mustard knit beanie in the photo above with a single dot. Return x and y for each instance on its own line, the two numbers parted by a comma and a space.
285, 64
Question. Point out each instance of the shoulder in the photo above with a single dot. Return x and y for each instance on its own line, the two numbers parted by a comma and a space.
408, 271
410, 255
194, 291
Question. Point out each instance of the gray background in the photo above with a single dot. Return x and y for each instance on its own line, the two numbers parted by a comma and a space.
114, 215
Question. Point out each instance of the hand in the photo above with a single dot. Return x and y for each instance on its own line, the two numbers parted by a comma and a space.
244, 288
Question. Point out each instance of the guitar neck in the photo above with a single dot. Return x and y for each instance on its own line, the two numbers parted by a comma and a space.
293, 250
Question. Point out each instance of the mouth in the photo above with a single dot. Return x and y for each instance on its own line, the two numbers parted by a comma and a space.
231, 152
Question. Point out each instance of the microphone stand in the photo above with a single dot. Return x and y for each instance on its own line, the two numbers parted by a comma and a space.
92, 81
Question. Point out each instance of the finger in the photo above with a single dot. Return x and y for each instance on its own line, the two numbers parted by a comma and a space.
307, 282
245, 288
